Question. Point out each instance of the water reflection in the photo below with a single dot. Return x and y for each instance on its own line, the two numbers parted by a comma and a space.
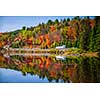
50, 69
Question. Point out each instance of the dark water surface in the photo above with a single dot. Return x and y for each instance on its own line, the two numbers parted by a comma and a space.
45, 69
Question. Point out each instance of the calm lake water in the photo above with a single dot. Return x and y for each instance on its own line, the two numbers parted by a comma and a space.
48, 69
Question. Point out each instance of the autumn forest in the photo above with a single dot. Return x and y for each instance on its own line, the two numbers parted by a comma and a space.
66, 50
82, 33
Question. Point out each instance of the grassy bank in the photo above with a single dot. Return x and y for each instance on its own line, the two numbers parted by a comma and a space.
90, 54
79, 52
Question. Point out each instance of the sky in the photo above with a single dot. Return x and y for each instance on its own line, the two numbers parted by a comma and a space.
11, 23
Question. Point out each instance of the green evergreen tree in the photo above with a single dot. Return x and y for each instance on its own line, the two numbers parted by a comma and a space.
85, 35
97, 18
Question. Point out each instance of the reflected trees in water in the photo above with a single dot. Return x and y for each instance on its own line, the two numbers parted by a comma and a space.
72, 69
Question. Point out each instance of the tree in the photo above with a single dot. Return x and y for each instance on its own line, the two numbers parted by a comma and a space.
92, 40
97, 26
69, 44
77, 18
24, 27
68, 19
85, 35
49, 22
64, 20
56, 21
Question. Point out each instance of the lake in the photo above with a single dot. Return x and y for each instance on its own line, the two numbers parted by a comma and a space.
30, 68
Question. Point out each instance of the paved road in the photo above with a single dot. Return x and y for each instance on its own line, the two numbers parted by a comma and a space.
35, 49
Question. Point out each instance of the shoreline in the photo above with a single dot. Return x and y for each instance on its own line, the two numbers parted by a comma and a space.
53, 52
